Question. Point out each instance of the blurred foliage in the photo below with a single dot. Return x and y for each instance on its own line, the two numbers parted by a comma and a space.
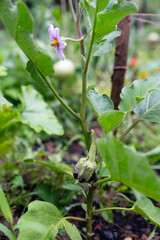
143, 60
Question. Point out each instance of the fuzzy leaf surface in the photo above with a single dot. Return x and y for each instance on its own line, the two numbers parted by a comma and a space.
149, 108
105, 45
72, 231
110, 120
100, 103
42, 221
37, 114
146, 208
133, 95
40, 217
129, 167
107, 20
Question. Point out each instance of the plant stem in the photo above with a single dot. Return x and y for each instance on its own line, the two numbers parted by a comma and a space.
84, 83
129, 129
51, 228
60, 99
101, 181
72, 10
89, 213
112, 208
86, 133
76, 218
79, 31
12, 228
47, 81
83, 103
72, 39
83, 124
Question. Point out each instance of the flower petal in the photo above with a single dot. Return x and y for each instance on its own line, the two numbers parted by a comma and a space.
60, 54
53, 33
56, 32
62, 44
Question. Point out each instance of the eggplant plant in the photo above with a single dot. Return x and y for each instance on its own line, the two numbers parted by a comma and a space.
43, 220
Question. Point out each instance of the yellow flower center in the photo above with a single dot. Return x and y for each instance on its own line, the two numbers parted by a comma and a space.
55, 43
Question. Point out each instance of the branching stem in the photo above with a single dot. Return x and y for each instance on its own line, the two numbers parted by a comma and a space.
75, 218
130, 128
105, 180
112, 208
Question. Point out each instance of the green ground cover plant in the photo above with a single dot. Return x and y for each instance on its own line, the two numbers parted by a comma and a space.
109, 158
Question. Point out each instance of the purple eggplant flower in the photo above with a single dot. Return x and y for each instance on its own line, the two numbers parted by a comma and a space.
57, 43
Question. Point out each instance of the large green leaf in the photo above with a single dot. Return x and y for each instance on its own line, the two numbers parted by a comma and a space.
129, 167
35, 74
37, 114
146, 208
102, 4
100, 103
131, 96
42, 221
4, 206
18, 21
149, 108
108, 20
105, 45
36, 222
109, 15
110, 120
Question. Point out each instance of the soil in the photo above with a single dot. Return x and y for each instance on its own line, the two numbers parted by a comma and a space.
125, 225
129, 226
